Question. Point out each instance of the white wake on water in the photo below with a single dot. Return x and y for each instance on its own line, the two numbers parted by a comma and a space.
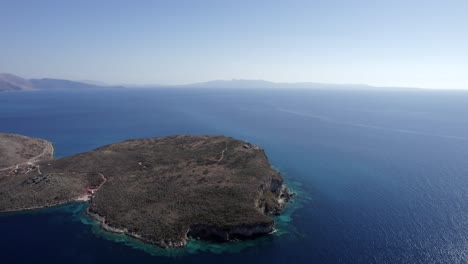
397, 130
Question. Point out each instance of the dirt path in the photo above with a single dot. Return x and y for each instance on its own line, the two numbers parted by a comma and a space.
47, 150
222, 154
104, 180
91, 193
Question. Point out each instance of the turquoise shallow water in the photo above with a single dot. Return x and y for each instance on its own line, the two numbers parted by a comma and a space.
382, 176
282, 225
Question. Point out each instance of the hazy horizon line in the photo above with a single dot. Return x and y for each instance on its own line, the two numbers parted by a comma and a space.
149, 85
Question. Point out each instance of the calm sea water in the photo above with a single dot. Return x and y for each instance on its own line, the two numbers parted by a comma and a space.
382, 176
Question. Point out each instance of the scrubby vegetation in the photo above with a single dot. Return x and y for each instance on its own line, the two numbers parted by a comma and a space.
161, 190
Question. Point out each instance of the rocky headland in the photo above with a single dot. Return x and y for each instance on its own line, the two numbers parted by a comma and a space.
163, 191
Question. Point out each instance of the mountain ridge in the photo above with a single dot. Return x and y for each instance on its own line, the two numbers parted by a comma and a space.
10, 82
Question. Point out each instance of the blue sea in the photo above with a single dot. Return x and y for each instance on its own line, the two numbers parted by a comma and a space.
381, 176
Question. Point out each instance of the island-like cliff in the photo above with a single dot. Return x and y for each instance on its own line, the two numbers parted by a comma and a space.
161, 190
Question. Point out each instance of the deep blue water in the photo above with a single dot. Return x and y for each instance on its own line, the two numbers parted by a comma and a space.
382, 175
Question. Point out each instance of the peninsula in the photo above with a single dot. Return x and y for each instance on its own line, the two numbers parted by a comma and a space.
163, 190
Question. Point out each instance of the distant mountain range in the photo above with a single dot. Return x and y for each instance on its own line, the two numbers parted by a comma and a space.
258, 84
10, 82
240, 83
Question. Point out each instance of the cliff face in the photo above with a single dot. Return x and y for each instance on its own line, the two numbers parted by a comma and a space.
161, 190
223, 234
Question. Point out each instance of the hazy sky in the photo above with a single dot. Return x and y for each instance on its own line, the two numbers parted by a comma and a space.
422, 43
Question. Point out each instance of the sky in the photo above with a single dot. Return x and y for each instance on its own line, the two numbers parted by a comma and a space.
398, 43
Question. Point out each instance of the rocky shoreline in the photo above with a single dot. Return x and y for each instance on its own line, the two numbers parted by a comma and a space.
211, 233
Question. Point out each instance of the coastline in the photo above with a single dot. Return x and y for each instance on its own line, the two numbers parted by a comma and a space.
271, 196
86, 198
102, 224
79, 210
283, 199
